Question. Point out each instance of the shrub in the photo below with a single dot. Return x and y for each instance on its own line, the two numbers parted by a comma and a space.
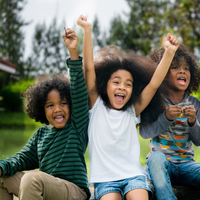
11, 96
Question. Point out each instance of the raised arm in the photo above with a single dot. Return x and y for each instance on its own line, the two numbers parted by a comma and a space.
171, 45
90, 76
78, 90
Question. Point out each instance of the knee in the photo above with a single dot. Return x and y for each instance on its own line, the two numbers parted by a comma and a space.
156, 159
157, 163
31, 179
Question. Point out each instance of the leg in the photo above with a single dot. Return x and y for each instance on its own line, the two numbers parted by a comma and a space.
108, 191
111, 196
159, 169
137, 188
189, 174
10, 185
37, 185
139, 194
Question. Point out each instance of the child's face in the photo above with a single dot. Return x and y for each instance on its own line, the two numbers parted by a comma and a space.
179, 76
57, 110
119, 88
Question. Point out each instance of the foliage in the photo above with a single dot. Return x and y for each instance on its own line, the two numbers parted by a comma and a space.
49, 52
99, 39
149, 20
142, 29
11, 35
184, 18
11, 96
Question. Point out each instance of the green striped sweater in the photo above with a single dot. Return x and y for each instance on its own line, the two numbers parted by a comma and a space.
59, 152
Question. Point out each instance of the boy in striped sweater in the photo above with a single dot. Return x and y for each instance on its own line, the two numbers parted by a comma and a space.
58, 150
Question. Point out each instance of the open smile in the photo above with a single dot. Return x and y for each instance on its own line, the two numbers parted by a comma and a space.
181, 81
59, 118
119, 98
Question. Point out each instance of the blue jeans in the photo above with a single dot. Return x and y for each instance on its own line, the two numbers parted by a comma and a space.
164, 174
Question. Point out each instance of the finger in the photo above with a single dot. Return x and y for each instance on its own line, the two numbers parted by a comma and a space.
69, 30
172, 40
168, 36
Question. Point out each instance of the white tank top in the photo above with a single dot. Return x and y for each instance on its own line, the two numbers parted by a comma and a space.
113, 144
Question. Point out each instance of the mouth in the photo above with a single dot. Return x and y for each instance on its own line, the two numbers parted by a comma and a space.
181, 81
59, 118
119, 98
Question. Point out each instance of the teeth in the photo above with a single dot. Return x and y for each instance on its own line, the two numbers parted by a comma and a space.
122, 95
57, 117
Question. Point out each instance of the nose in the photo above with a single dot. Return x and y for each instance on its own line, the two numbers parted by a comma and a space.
121, 87
182, 71
57, 108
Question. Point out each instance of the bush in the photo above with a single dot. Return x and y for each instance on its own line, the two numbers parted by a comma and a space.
11, 96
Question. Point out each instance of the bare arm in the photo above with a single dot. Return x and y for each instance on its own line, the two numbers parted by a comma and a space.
171, 45
90, 76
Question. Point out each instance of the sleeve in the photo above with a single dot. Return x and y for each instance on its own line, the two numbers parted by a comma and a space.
195, 129
26, 159
155, 128
79, 97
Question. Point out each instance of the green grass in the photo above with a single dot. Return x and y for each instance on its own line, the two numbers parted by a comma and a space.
8, 120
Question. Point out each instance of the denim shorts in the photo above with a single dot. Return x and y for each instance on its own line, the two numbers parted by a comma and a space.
122, 186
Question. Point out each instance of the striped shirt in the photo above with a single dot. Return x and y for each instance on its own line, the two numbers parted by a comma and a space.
175, 138
59, 152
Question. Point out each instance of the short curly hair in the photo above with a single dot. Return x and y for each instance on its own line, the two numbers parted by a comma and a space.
189, 58
36, 94
109, 60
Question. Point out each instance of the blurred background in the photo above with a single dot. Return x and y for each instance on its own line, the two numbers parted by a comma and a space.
31, 44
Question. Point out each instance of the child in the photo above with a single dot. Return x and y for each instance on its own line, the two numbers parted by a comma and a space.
171, 159
114, 112
57, 151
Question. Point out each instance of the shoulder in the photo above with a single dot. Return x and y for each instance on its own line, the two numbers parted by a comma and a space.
192, 99
43, 129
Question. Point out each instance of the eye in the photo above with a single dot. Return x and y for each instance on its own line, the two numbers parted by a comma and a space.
174, 67
49, 106
116, 82
187, 68
64, 103
129, 85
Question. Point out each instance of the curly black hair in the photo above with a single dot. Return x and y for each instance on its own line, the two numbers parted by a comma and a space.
36, 94
109, 60
181, 54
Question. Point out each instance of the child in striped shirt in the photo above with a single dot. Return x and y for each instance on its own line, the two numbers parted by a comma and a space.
57, 150
171, 159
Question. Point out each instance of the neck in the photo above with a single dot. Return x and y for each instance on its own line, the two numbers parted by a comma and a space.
175, 96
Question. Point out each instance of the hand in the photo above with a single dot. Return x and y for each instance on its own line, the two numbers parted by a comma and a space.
70, 39
171, 42
190, 113
82, 22
173, 111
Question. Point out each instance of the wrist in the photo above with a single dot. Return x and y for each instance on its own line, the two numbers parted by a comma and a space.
74, 54
168, 118
170, 51
191, 123
87, 27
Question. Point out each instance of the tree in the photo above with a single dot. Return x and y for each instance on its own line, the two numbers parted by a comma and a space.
184, 18
99, 40
48, 50
11, 35
150, 20
142, 28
